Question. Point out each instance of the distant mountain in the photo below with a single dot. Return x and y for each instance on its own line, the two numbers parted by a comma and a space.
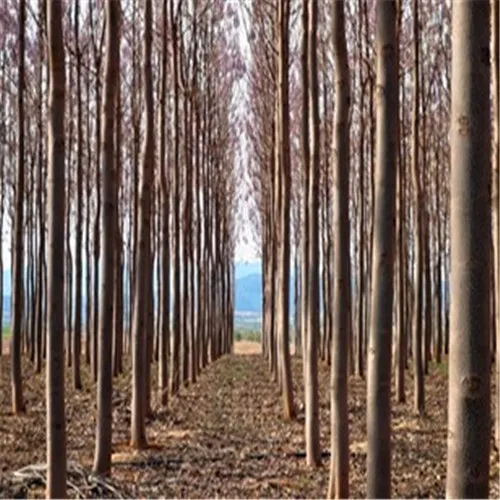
243, 269
248, 290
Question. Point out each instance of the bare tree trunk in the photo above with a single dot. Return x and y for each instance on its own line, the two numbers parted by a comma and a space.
496, 201
418, 239
142, 294
88, 273
102, 457
164, 336
439, 271
97, 50
284, 169
77, 343
118, 288
360, 372
469, 415
297, 299
313, 448
176, 326
304, 300
401, 339
380, 343
339, 464
18, 272
56, 422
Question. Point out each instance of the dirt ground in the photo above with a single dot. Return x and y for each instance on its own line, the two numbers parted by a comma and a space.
223, 437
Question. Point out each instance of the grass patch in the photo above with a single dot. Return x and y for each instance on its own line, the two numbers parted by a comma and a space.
6, 332
249, 335
441, 368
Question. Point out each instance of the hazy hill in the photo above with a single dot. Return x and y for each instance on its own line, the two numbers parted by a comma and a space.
249, 293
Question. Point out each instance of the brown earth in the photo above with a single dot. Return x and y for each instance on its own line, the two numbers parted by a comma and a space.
223, 437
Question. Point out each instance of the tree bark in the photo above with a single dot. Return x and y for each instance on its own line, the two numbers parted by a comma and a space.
56, 422
164, 335
102, 457
470, 321
339, 464
496, 200
284, 169
380, 342
142, 294
77, 333
18, 268
418, 258
313, 448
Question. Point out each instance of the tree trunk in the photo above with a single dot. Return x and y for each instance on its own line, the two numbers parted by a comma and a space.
164, 336
380, 343
284, 169
176, 326
339, 465
496, 201
18, 272
102, 457
360, 372
118, 288
418, 258
77, 333
313, 448
88, 273
56, 422
470, 321
142, 292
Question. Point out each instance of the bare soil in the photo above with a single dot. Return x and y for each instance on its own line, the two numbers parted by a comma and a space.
224, 437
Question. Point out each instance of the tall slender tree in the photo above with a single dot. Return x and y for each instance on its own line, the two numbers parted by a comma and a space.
470, 321
283, 219
102, 459
56, 421
496, 195
418, 258
18, 268
380, 340
77, 331
164, 339
313, 448
143, 259
339, 465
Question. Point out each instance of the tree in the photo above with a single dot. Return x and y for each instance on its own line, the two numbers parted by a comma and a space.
380, 340
496, 195
176, 323
143, 260
18, 268
418, 258
470, 320
41, 206
283, 209
77, 333
56, 424
402, 338
311, 277
102, 459
339, 468
165, 221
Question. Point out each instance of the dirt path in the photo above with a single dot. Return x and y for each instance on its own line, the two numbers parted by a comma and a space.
224, 437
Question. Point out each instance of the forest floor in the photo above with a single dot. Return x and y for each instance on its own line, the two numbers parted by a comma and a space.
224, 437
